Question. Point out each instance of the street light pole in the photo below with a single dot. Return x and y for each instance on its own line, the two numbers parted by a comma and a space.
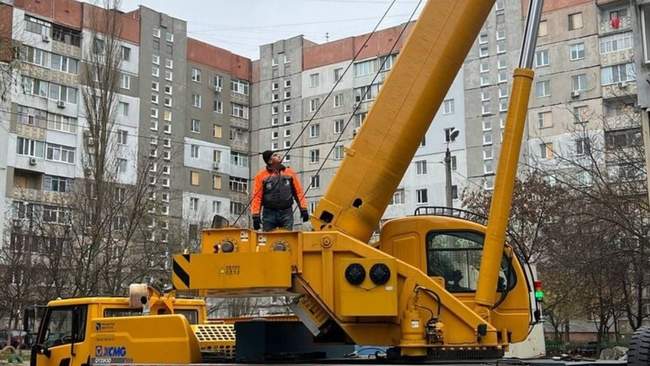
450, 136
450, 202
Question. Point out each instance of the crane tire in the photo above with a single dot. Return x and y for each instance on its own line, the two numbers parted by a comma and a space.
639, 352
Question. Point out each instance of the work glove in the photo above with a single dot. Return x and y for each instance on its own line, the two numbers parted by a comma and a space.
257, 223
304, 214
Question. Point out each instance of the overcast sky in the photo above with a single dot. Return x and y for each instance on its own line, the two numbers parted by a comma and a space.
241, 26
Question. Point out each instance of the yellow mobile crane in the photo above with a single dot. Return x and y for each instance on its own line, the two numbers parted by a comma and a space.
417, 290
434, 286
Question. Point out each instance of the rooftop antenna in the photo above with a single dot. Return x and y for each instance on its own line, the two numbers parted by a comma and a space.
327, 36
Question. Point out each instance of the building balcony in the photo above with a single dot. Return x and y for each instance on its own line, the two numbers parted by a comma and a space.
239, 144
239, 123
618, 57
609, 26
619, 90
239, 98
38, 195
622, 121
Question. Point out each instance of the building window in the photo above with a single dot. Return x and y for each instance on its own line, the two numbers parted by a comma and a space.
169, 63
487, 154
239, 110
287, 83
122, 136
121, 165
287, 108
194, 204
485, 108
168, 89
487, 125
422, 195
421, 167
488, 167
487, 138
194, 178
579, 82
167, 116
196, 100
338, 126
544, 120
338, 100
217, 131
154, 98
483, 38
363, 68
616, 42
196, 75
546, 150
338, 73
542, 30
315, 181
575, 21
339, 152
501, 48
60, 153
194, 151
448, 106
580, 114
313, 104
483, 51
314, 156
239, 86
484, 80
125, 81
155, 71
237, 184
29, 147
543, 88
314, 130
617, 74
577, 51
57, 184
168, 75
398, 197
314, 80
583, 146
541, 58
216, 182
196, 126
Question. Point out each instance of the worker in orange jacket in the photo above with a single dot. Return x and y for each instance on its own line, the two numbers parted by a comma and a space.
276, 186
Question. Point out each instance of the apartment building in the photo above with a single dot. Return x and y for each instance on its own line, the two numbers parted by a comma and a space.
292, 81
487, 78
586, 92
181, 110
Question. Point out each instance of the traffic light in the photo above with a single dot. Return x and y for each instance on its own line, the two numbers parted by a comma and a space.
539, 293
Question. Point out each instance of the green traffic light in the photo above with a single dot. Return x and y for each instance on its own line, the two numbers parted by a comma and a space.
539, 295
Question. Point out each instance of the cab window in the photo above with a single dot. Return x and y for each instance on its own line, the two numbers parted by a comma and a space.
456, 256
58, 327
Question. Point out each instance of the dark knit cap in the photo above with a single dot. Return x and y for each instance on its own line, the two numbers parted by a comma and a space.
267, 156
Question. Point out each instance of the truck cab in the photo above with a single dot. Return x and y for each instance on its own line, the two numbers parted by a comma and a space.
94, 330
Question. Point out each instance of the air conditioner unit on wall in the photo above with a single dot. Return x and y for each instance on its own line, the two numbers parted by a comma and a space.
215, 165
622, 84
575, 94
32, 161
218, 89
45, 38
60, 104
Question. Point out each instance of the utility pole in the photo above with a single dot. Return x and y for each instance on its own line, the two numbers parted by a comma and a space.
450, 135
450, 202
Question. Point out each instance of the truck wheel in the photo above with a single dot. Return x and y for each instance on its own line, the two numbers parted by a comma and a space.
639, 352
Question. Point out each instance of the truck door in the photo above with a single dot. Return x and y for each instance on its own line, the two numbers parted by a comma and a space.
61, 333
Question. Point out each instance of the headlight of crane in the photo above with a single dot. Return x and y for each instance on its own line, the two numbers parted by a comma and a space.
355, 274
379, 274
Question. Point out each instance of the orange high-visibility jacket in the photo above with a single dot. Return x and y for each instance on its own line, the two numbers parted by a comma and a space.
277, 188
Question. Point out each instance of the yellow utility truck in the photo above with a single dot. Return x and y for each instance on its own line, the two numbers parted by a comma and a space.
435, 285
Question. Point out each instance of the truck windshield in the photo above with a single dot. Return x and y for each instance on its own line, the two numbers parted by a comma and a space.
57, 327
456, 256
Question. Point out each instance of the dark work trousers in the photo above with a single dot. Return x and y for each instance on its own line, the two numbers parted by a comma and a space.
277, 218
